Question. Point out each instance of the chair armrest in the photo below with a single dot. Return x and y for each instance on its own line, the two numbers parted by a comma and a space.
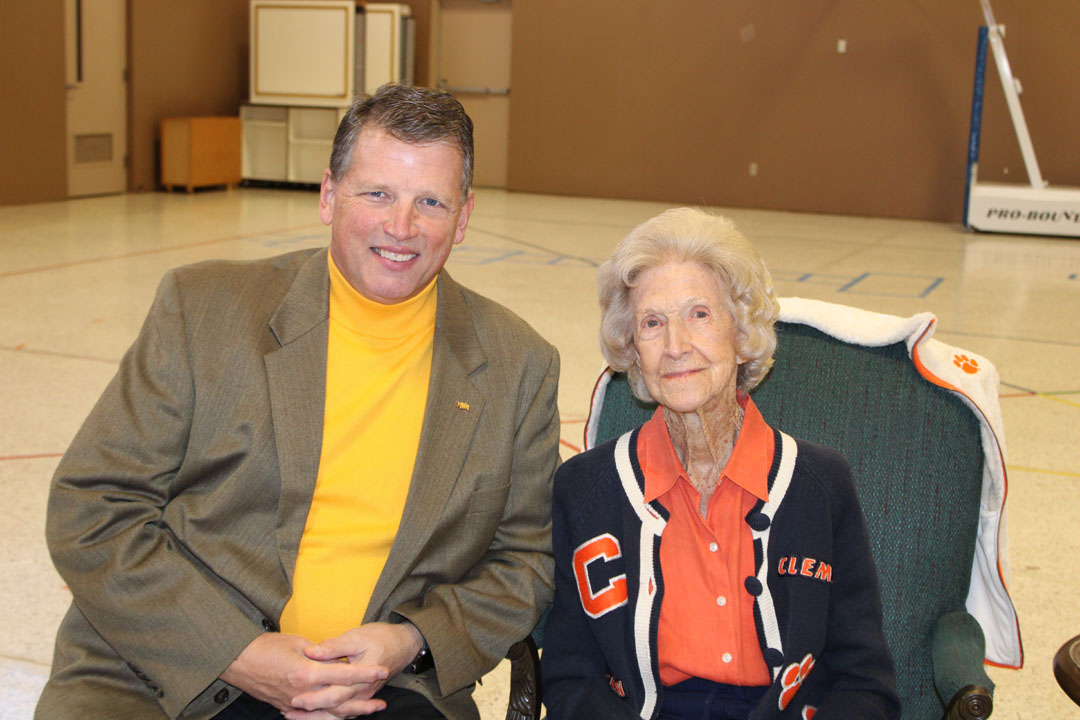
524, 681
1067, 668
957, 648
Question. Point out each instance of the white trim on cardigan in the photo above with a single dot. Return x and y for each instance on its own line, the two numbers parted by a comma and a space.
771, 627
652, 526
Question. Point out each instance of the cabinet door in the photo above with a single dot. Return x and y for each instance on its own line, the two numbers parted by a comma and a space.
265, 142
311, 139
387, 45
302, 53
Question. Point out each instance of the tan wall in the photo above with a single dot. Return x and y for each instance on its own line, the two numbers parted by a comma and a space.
186, 58
422, 11
33, 150
674, 100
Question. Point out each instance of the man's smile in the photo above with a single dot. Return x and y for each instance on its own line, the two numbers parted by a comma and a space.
395, 256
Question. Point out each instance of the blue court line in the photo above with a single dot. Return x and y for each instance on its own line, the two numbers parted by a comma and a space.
504, 256
808, 277
933, 285
854, 282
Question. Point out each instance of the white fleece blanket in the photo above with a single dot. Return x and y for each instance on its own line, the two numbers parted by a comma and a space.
975, 380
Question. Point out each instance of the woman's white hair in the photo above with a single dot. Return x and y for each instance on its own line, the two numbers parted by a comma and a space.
690, 235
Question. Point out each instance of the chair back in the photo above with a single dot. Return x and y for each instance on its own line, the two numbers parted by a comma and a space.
916, 455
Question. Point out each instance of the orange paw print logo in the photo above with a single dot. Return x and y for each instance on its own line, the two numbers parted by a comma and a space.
965, 363
791, 679
809, 712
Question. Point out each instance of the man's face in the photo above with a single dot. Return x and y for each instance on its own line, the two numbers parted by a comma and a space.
395, 214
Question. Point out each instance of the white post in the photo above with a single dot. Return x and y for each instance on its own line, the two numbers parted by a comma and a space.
1012, 97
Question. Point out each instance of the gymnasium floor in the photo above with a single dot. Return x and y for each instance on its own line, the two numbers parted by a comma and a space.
76, 279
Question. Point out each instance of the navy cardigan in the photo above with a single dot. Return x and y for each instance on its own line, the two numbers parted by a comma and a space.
816, 601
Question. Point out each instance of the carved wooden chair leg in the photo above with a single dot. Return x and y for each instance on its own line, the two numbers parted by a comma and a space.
1067, 668
972, 702
524, 681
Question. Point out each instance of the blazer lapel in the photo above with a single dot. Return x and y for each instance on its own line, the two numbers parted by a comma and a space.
296, 374
451, 415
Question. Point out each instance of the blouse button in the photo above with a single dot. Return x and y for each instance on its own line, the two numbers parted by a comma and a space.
726, 657
721, 601
713, 547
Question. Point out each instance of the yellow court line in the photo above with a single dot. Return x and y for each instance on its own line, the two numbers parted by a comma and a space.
1043, 470
1055, 398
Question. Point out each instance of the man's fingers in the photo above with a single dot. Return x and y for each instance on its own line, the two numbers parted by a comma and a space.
325, 651
295, 714
333, 695
353, 708
344, 673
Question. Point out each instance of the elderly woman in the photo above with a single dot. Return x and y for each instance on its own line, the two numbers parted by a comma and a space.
707, 564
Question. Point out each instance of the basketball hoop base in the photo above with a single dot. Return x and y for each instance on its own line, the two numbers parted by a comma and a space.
1022, 209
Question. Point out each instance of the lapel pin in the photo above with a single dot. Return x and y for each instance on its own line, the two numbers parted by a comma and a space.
463, 406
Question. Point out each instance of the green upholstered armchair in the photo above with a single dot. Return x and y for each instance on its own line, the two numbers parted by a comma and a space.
918, 460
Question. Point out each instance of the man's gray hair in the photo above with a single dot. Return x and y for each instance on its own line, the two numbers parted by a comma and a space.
410, 114
690, 235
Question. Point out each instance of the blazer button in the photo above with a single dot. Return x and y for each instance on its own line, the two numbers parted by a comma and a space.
774, 657
222, 696
267, 625
753, 586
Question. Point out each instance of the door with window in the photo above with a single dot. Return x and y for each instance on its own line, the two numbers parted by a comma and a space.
96, 51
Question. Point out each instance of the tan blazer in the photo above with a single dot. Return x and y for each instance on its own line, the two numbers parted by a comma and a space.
176, 514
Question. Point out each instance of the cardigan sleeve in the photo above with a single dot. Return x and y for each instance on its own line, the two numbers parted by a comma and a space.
573, 666
862, 679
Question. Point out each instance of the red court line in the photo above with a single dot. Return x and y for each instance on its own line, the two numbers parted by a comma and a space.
21, 348
30, 457
140, 253
573, 447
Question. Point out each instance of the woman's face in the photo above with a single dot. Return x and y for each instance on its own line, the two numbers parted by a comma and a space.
684, 337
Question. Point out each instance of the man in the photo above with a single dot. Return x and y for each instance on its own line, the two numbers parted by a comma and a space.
319, 484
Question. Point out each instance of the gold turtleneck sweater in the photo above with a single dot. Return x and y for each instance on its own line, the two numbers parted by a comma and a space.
378, 363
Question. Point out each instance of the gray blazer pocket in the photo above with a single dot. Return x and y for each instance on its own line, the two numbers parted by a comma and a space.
486, 500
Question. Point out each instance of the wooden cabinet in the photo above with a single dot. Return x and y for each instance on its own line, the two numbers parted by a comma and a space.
200, 151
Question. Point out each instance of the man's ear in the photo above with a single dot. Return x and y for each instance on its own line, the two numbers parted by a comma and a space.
326, 198
463, 218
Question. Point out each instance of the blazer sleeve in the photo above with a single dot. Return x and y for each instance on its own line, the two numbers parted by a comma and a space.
470, 624
176, 625
856, 654
573, 666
